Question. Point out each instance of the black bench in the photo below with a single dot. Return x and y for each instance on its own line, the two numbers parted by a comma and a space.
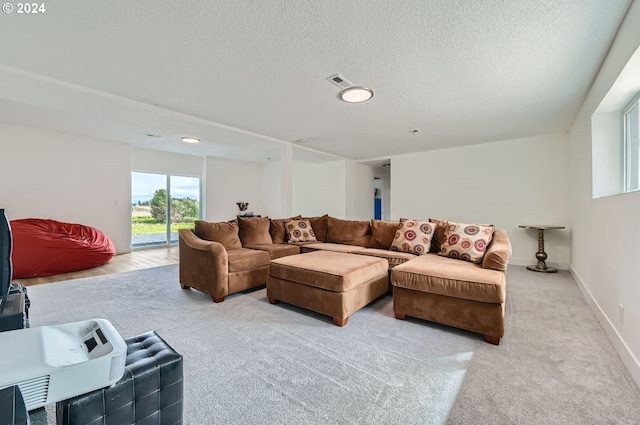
149, 393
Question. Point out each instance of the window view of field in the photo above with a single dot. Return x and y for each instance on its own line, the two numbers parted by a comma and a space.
149, 210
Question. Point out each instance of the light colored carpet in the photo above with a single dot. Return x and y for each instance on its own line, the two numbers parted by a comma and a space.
249, 362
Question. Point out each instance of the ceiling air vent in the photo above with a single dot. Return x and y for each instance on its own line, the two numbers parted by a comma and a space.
340, 81
415, 131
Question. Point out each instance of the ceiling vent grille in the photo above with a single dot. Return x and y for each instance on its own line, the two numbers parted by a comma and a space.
340, 81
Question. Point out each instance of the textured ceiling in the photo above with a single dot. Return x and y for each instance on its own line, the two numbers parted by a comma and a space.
250, 76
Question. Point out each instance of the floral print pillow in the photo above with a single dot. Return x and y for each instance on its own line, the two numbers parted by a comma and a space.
299, 231
466, 242
413, 236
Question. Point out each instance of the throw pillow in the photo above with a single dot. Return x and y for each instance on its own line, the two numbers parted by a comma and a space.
225, 233
277, 230
299, 231
349, 232
438, 236
254, 231
319, 226
382, 233
413, 236
466, 241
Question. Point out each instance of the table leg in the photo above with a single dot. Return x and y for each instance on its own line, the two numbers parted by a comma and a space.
541, 256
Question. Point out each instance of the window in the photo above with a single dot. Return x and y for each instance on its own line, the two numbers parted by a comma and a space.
154, 221
632, 145
615, 150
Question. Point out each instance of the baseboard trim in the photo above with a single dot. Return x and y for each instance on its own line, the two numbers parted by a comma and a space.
628, 358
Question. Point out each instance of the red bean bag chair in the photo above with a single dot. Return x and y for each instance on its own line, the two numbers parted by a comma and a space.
46, 247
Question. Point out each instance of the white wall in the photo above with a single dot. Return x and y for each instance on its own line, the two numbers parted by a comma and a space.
272, 187
58, 176
342, 189
319, 188
506, 183
70, 178
358, 191
605, 246
608, 168
229, 182
225, 182
150, 161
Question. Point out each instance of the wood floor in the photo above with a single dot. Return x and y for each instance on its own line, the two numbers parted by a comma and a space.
135, 260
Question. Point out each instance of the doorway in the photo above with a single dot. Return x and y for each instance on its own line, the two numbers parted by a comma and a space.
160, 205
377, 198
382, 190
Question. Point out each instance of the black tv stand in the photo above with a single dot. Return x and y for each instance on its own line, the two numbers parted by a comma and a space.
14, 309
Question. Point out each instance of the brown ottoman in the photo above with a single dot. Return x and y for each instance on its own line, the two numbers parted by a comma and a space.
332, 283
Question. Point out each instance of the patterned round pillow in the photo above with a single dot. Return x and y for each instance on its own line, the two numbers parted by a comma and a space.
299, 231
413, 236
466, 242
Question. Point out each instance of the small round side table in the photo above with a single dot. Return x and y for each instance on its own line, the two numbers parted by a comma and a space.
541, 256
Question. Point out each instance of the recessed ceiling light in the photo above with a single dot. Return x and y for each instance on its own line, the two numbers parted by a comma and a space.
190, 140
356, 94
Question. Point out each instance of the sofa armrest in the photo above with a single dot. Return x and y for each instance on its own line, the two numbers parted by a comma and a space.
204, 265
498, 252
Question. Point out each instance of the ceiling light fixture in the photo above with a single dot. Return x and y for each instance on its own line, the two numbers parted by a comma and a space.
356, 94
190, 140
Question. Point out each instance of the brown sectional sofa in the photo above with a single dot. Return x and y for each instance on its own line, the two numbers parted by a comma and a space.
450, 291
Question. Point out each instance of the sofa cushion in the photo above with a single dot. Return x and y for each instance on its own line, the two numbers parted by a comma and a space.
382, 233
254, 231
349, 232
450, 277
244, 259
438, 236
413, 236
333, 271
393, 257
466, 241
302, 245
278, 250
299, 231
277, 231
319, 225
225, 232
335, 247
